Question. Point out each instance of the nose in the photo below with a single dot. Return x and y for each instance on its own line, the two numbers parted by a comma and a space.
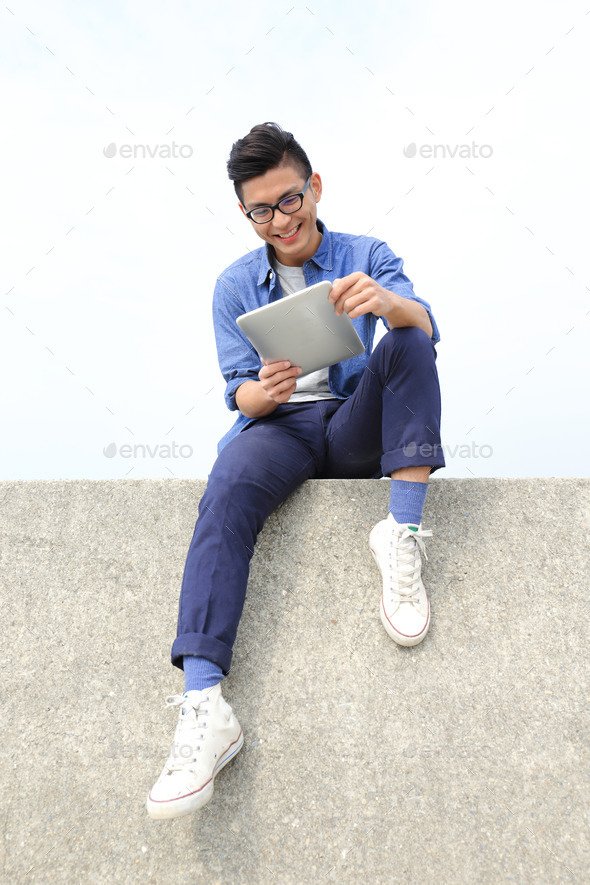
282, 223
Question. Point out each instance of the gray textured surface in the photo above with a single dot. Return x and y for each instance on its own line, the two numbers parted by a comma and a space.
465, 759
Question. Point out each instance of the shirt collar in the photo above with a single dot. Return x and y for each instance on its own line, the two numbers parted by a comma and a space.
322, 256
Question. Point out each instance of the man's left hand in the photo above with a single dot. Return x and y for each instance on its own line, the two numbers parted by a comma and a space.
357, 294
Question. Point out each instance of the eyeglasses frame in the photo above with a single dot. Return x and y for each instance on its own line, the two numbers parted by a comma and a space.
278, 205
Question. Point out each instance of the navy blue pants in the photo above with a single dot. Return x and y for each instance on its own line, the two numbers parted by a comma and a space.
392, 420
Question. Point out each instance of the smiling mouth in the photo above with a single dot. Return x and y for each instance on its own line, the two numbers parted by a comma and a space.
289, 234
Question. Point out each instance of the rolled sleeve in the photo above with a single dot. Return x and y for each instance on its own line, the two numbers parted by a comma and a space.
238, 360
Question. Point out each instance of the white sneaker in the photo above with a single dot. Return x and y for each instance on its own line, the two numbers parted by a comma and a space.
405, 610
207, 736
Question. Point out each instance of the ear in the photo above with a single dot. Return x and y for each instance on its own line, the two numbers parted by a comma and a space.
316, 186
242, 208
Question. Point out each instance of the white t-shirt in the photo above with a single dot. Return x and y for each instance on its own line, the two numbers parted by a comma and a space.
315, 385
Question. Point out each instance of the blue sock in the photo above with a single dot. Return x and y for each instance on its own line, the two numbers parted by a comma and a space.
406, 500
200, 673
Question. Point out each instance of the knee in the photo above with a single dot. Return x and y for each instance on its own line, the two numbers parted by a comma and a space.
224, 482
409, 339
236, 479
225, 504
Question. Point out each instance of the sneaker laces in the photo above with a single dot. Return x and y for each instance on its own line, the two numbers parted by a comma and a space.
189, 731
404, 562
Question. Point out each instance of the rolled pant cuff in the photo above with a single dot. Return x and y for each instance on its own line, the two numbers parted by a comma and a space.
412, 455
201, 646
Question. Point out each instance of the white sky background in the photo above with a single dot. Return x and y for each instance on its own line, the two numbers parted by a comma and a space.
109, 263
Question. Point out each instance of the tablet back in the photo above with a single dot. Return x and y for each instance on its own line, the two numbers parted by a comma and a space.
302, 328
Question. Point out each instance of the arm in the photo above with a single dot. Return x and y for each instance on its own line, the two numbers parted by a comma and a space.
238, 361
357, 294
405, 312
252, 401
381, 287
277, 383
252, 387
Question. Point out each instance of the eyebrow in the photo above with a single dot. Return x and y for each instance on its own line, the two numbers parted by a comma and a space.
288, 193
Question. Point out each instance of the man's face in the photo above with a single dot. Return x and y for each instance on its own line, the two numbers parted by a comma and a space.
295, 238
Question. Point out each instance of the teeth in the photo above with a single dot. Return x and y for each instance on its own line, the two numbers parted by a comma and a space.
290, 234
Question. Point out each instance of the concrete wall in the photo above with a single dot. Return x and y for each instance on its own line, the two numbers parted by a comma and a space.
464, 759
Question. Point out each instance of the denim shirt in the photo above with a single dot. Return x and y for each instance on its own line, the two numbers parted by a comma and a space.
251, 282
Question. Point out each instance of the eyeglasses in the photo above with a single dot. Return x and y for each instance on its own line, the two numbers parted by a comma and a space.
287, 206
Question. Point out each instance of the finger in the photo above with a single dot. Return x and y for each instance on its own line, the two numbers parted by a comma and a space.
271, 369
291, 372
288, 385
338, 297
341, 305
361, 304
358, 311
270, 381
334, 291
355, 299
283, 390
351, 286
344, 284
339, 289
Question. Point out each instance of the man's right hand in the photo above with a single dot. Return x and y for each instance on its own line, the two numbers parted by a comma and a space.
279, 380
276, 385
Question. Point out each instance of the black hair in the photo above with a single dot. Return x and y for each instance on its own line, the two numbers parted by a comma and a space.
266, 146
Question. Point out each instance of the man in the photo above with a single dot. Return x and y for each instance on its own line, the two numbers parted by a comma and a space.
377, 414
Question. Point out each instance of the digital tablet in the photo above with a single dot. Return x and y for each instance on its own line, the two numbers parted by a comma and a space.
302, 328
